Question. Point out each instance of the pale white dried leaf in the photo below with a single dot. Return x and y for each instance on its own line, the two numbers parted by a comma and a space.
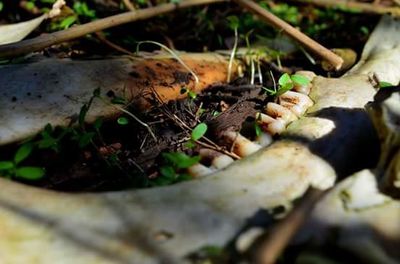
16, 32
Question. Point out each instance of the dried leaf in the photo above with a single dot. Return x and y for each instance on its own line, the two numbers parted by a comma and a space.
16, 32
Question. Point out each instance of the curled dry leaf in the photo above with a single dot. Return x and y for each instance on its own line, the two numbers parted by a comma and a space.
16, 32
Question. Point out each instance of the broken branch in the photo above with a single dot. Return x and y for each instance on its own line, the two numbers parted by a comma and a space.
272, 247
319, 50
43, 41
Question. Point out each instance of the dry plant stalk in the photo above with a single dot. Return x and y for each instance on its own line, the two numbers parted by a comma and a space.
279, 237
319, 50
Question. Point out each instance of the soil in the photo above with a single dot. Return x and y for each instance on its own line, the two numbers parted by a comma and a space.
126, 156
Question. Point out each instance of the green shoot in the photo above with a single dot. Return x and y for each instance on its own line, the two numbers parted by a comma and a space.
12, 168
191, 94
174, 54
180, 160
123, 121
23, 152
385, 84
82, 9
136, 119
257, 127
285, 83
174, 163
234, 25
199, 131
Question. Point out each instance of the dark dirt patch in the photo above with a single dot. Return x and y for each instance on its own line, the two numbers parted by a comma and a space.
126, 156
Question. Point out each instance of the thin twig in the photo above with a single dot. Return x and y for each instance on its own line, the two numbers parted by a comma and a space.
102, 38
354, 6
128, 4
232, 56
137, 120
131, 115
44, 41
218, 148
173, 54
324, 53
279, 237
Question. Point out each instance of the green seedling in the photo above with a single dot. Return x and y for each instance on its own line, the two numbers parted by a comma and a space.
197, 133
81, 135
288, 13
192, 95
66, 22
12, 168
119, 100
171, 172
257, 127
385, 84
286, 83
82, 9
49, 140
233, 22
123, 121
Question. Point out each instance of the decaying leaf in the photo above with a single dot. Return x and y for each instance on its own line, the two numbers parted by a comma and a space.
16, 32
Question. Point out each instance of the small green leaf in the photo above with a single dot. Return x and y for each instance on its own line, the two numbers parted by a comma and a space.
30, 5
190, 144
385, 84
283, 89
30, 173
183, 177
67, 22
192, 95
364, 30
6, 165
269, 91
181, 160
300, 79
284, 79
85, 139
23, 152
233, 22
168, 172
211, 250
98, 123
47, 131
215, 113
82, 114
123, 121
1, 5
47, 143
118, 100
258, 129
199, 131
96, 92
